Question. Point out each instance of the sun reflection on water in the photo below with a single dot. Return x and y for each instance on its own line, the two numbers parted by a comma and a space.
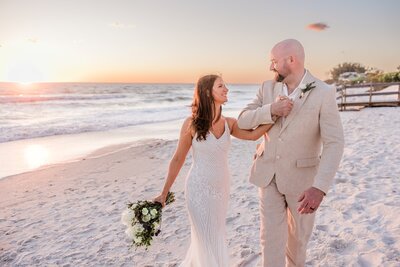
36, 156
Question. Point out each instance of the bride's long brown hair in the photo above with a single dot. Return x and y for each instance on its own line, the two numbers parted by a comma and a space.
203, 109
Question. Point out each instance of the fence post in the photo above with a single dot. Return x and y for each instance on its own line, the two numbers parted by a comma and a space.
398, 97
370, 95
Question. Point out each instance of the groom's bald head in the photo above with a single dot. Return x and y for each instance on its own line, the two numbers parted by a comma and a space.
290, 48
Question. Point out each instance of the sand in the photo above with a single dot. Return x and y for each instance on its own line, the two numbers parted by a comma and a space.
68, 214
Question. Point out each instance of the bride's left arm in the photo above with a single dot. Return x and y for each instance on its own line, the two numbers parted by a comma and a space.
252, 134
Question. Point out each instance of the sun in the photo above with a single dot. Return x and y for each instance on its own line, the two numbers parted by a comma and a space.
25, 73
25, 84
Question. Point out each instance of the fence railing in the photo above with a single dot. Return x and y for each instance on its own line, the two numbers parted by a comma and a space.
347, 91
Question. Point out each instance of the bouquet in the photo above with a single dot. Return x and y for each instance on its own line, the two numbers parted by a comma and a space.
143, 220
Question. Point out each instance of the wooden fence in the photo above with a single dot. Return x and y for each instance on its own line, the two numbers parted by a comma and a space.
347, 91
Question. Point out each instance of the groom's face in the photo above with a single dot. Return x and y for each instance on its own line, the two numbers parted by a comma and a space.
279, 66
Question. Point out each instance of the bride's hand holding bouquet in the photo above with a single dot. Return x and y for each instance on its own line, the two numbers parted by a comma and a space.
143, 219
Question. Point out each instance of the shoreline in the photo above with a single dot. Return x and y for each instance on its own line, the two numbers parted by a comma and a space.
62, 148
98, 153
16, 156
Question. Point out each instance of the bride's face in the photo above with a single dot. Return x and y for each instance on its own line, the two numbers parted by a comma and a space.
219, 91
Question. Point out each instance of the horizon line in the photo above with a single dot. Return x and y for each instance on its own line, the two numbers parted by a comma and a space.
42, 82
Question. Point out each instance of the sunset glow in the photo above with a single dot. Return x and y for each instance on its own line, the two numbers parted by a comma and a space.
25, 73
174, 42
36, 156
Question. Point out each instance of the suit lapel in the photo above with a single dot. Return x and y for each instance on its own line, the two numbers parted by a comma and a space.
278, 87
298, 103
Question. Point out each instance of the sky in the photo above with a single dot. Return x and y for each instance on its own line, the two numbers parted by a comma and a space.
171, 41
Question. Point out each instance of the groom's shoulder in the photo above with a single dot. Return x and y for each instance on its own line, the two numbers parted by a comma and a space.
268, 85
321, 85
326, 88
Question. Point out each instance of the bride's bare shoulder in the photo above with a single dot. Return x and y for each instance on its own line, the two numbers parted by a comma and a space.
187, 126
231, 122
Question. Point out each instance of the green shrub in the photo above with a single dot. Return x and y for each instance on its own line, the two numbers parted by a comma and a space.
346, 67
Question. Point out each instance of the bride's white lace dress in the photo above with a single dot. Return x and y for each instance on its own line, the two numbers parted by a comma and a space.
207, 195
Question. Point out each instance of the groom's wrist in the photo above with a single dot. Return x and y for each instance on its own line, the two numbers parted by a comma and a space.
272, 109
319, 190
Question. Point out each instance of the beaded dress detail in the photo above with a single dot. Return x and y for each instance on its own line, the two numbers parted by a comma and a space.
207, 195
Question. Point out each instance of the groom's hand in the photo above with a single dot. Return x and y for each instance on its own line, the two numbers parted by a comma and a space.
310, 200
282, 106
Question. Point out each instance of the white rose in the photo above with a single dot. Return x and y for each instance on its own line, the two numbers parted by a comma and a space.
130, 232
156, 225
145, 211
146, 218
127, 217
134, 206
302, 86
153, 213
138, 228
137, 239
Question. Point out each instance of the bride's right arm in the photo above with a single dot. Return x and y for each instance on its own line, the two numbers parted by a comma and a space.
252, 134
176, 163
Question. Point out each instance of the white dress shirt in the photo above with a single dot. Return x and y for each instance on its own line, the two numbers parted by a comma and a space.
295, 94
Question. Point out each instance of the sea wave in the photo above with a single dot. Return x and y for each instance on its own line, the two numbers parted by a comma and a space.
96, 122
57, 109
47, 98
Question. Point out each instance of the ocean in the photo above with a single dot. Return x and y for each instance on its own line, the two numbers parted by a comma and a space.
49, 123
47, 109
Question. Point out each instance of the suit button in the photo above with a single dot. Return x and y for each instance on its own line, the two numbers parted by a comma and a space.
278, 157
280, 139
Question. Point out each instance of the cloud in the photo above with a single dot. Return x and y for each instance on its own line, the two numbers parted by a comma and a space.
119, 25
32, 40
78, 42
317, 26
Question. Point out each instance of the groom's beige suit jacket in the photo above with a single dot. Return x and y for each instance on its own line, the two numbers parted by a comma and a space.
303, 151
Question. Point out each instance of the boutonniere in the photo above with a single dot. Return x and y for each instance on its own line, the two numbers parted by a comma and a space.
305, 88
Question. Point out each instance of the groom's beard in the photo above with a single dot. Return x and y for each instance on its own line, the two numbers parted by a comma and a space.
278, 77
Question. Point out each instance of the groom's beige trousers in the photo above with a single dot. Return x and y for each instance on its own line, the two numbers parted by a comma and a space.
284, 232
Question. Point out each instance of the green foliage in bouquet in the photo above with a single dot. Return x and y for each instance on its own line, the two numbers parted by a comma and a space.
143, 219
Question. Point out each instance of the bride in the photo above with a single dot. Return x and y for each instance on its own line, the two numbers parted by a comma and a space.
208, 132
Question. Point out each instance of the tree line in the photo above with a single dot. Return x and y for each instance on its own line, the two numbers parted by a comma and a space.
358, 73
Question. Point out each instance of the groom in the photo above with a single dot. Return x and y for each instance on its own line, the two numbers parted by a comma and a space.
295, 166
